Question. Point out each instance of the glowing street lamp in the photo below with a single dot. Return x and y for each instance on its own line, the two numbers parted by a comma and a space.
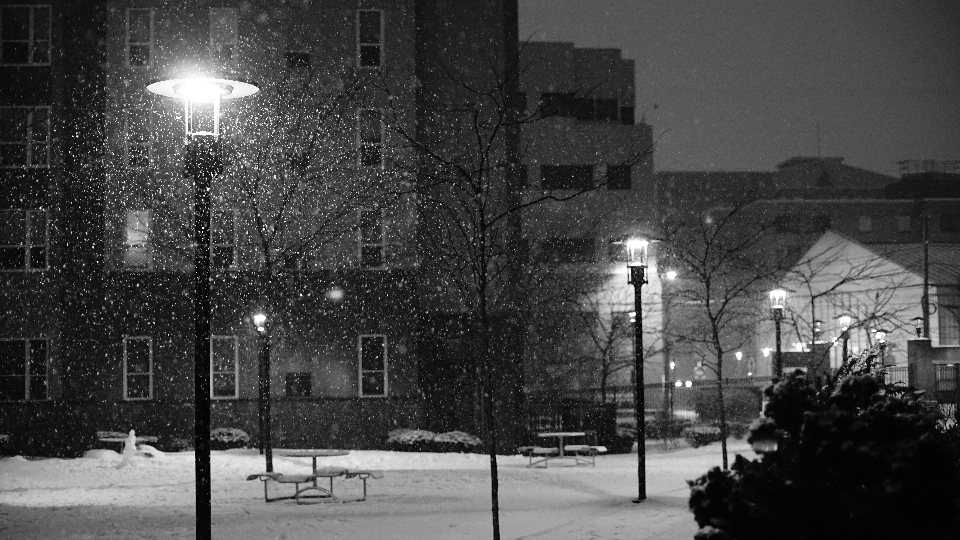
261, 322
844, 321
637, 268
778, 301
204, 159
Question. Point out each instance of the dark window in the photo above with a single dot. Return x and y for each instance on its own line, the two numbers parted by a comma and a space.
139, 36
25, 35
372, 240
299, 384
223, 239
373, 365
298, 60
23, 240
626, 115
567, 250
557, 104
370, 138
23, 369
948, 316
618, 177
950, 222
566, 176
583, 109
370, 38
606, 110
945, 378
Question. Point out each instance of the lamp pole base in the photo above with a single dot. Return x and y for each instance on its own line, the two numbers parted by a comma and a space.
638, 500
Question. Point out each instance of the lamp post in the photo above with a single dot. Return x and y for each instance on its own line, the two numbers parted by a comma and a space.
844, 321
670, 275
778, 299
204, 160
918, 326
262, 323
637, 268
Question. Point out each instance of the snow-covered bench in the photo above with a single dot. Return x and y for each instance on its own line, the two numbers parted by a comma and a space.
325, 494
584, 451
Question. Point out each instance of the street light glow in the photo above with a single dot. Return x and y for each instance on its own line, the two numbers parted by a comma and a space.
671, 274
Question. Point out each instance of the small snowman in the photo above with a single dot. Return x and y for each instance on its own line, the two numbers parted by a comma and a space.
129, 449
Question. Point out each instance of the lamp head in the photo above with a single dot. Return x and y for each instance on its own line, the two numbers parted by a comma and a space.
201, 97
260, 322
739, 355
778, 299
844, 321
671, 275
637, 251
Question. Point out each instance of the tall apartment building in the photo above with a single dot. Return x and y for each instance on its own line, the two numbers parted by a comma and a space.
96, 324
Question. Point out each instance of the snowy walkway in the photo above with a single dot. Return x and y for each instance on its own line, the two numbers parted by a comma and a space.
422, 497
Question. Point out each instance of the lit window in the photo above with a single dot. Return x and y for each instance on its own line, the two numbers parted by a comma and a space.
369, 38
866, 224
370, 138
25, 137
223, 366
224, 34
24, 237
373, 365
137, 253
139, 37
137, 367
371, 238
25, 35
23, 369
223, 239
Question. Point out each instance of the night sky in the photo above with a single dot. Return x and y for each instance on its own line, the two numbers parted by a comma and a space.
742, 85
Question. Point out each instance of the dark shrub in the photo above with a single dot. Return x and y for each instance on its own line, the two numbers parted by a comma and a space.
697, 436
227, 438
858, 459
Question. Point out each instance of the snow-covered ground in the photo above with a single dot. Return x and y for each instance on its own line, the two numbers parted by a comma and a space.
422, 496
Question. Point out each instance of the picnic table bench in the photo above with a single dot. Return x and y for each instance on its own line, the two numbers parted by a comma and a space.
580, 454
325, 494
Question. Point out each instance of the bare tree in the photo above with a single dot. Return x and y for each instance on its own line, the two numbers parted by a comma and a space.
725, 258
471, 196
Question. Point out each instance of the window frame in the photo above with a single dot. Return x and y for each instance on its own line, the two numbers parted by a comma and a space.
362, 244
28, 375
233, 213
236, 366
28, 246
147, 144
31, 40
126, 368
213, 52
29, 141
378, 144
384, 371
295, 376
904, 223
378, 45
128, 43
129, 248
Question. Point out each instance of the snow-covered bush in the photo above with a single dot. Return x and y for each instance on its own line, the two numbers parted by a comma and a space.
697, 436
855, 459
226, 438
457, 441
419, 440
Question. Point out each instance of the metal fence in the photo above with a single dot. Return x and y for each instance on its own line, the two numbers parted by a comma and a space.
742, 398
